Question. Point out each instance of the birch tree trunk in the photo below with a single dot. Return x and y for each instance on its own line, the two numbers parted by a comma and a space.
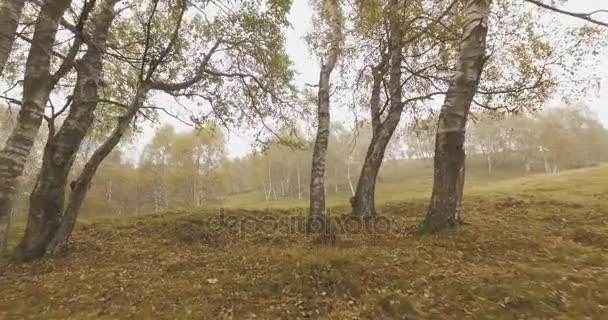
364, 199
266, 193
80, 187
449, 162
37, 86
349, 176
82, 184
319, 155
299, 182
363, 202
10, 14
490, 166
48, 197
317, 173
270, 188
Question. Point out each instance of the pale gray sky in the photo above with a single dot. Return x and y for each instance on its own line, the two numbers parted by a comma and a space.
598, 103
308, 67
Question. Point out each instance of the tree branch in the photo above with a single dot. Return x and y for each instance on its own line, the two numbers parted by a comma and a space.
584, 16
68, 62
176, 86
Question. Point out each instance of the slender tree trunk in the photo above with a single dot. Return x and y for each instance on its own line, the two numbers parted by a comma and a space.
364, 199
363, 202
336, 181
349, 176
48, 197
60, 240
319, 155
10, 13
109, 191
270, 188
159, 189
266, 192
156, 195
448, 183
546, 162
490, 167
299, 181
37, 87
317, 173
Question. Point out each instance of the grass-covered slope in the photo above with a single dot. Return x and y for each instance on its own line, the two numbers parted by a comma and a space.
399, 180
533, 248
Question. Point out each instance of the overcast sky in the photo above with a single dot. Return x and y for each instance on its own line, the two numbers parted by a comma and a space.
308, 67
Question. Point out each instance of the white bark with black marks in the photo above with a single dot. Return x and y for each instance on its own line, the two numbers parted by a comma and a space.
10, 14
317, 173
363, 202
37, 87
47, 198
449, 162
80, 187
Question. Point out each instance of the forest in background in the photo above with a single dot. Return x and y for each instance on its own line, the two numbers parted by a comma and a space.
180, 170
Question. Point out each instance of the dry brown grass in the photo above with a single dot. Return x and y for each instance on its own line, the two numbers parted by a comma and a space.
532, 249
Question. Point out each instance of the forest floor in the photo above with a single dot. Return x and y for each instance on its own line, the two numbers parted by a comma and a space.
533, 248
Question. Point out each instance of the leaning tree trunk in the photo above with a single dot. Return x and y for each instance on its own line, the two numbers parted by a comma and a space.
363, 203
349, 178
448, 183
80, 187
83, 182
317, 172
10, 13
48, 197
37, 86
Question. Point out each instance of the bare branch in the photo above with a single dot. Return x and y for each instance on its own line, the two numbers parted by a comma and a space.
155, 63
120, 104
67, 104
584, 16
147, 42
11, 100
28, 40
172, 115
176, 86
68, 61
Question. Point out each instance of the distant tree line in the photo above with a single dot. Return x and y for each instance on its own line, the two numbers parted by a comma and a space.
556, 139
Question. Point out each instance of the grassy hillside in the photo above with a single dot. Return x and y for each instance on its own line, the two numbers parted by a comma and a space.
398, 181
534, 247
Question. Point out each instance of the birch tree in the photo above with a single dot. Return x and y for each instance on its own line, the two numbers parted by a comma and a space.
46, 200
448, 176
241, 50
37, 86
329, 47
382, 130
539, 68
405, 54
10, 13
